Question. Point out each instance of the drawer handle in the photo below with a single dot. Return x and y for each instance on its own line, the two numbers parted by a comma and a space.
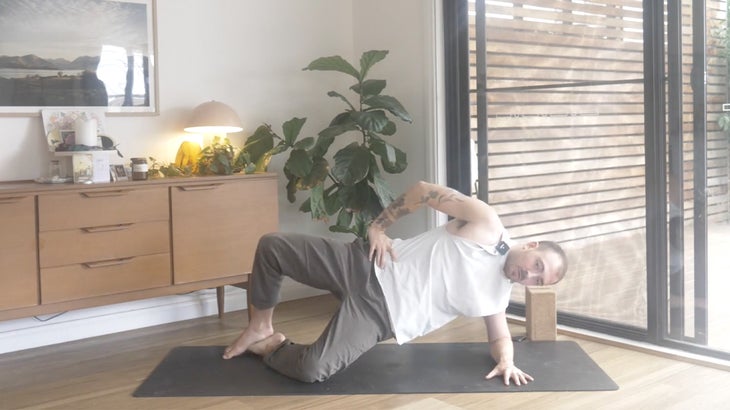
103, 264
11, 199
104, 193
107, 228
200, 187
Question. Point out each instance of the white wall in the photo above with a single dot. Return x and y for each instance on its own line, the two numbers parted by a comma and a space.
248, 54
407, 28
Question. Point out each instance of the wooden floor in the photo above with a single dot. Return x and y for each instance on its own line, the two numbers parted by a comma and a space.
102, 372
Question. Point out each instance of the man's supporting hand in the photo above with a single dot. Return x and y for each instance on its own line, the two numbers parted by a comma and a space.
510, 372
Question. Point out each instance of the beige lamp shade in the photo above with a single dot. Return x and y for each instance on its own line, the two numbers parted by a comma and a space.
214, 117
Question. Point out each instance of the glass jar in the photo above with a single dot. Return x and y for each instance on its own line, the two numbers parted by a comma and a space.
139, 169
54, 169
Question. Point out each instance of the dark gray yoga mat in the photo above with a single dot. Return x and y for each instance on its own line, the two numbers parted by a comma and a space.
386, 369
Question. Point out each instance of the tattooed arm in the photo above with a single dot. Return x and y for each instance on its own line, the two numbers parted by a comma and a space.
457, 205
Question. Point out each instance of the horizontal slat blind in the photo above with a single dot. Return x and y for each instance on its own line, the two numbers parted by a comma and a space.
565, 117
565, 138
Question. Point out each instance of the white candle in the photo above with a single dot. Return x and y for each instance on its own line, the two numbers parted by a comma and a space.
85, 132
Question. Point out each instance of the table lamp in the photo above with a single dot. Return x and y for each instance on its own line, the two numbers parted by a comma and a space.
214, 118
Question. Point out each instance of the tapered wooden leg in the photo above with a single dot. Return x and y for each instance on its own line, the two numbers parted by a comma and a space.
221, 298
220, 295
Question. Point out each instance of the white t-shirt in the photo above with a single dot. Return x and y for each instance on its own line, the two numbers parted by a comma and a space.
437, 277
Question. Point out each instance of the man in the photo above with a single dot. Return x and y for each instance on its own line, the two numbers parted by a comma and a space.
397, 288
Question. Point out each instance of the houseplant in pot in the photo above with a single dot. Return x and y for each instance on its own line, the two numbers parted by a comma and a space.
349, 190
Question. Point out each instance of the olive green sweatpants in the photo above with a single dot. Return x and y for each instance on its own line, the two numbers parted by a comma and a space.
361, 320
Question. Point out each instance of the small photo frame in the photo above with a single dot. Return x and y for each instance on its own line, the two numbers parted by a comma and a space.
119, 172
83, 166
68, 137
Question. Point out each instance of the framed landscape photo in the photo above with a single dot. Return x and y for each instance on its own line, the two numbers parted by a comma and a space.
71, 54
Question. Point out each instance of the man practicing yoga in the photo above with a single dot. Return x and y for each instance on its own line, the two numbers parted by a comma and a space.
397, 288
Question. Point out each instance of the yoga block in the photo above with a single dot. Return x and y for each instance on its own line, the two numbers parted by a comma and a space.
541, 313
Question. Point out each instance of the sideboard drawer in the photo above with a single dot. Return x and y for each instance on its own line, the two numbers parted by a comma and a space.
18, 257
102, 207
85, 280
97, 243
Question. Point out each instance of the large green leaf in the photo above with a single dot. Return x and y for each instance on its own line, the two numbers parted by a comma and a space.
356, 197
385, 194
344, 218
304, 143
361, 224
343, 229
259, 143
372, 208
336, 130
299, 163
292, 128
389, 103
322, 145
332, 202
369, 88
394, 161
341, 97
352, 164
320, 170
327, 137
369, 59
389, 129
342, 119
280, 147
333, 63
366, 201
291, 189
373, 121
316, 203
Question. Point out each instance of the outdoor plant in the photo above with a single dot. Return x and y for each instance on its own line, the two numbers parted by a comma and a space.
351, 189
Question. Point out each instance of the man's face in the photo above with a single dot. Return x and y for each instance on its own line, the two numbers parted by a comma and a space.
531, 266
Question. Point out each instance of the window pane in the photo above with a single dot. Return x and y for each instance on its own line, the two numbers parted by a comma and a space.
565, 137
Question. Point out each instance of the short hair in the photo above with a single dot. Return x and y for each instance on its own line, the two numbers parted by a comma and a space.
558, 250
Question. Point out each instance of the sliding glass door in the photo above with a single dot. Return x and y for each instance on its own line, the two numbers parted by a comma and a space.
598, 124
698, 213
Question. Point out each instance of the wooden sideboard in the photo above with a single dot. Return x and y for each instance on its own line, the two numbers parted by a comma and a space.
66, 246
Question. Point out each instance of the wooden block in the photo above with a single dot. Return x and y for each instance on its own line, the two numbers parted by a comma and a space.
541, 313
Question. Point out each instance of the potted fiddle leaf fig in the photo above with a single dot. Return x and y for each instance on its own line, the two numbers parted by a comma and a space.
350, 187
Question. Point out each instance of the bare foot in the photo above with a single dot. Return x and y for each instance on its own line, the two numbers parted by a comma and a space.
268, 345
247, 338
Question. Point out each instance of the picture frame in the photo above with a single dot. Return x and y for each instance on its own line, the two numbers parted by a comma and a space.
119, 172
103, 56
83, 168
67, 137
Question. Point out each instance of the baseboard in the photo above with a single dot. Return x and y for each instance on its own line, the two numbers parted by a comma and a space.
28, 333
